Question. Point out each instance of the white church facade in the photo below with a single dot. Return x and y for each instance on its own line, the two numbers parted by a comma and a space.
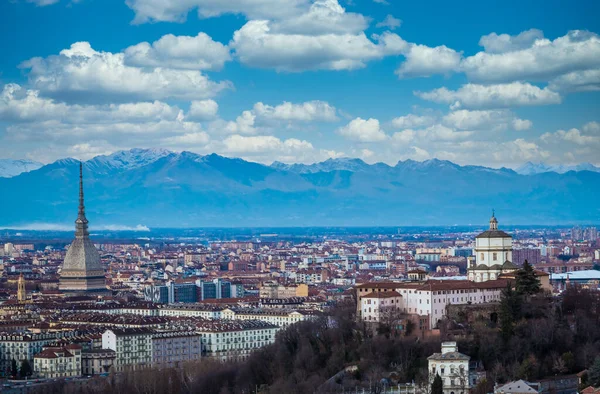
493, 254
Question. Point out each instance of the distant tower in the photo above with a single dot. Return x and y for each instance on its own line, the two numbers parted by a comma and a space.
21, 292
82, 273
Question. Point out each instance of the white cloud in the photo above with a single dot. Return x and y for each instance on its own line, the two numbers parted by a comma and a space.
256, 45
521, 124
267, 148
18, 104
544, 59
183, 52
592, 127
572, 135
323, 17
492, 96
177, 10
252, 144
390, 22
577, 81
423, 61
485, 120
436, 132
366, 154
384, 2
243, 124
362, 130
80, 73
203, 110
501, 43
412, 121
308, 111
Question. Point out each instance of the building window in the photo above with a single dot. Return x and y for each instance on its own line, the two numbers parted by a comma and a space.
495, 256
482, 256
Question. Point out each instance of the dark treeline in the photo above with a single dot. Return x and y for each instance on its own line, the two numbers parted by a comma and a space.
536, 336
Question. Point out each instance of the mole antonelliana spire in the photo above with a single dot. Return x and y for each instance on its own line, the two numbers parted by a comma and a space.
82, 273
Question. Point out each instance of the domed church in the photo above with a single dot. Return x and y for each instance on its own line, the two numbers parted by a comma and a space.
493, 254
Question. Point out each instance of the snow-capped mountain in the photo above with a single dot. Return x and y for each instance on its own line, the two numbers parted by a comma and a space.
127, 159
530, 168
340, 164
168, 189
10, 168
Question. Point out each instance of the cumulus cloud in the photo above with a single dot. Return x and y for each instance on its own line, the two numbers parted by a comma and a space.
529, 57
81, 73
183, 52
436, 132
268, 148
485, 119
390, 22
423, 61
412, 121
18, 104
492, 96
521, 124
322, 17
304, 112
203, 110
577, 81
257, 46
575, 136
363, 130
501, 43
177, 10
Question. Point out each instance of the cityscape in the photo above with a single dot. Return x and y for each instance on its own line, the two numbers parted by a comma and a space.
299, 196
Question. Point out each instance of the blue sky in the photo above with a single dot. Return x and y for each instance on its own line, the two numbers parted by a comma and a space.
489, 83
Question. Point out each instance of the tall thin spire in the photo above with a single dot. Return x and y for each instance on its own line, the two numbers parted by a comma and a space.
81, 224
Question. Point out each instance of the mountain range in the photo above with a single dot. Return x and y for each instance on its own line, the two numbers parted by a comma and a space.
10, 168
159, 188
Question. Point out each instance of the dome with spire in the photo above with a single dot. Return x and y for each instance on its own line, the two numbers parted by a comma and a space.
493, 231
82, 270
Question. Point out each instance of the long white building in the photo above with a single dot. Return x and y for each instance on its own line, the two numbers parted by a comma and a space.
429, 299
235, 339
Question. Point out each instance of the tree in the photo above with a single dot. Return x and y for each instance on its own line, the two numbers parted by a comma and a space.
527, 281
25, 369
510, 311
594, 373
14, 371
437, 387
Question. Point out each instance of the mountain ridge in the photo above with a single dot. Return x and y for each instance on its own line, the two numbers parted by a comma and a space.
159, 188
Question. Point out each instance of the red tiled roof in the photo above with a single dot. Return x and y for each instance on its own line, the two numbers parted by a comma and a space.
384, 294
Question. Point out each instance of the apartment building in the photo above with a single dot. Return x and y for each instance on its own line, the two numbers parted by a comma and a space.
25, 346
58, 362
227, 339
171, 348
97, 361
133, 347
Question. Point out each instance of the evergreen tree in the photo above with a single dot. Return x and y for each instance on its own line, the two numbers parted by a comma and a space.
510, 311
14, 371
437, 387
527, 281
25, 369
594, 373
